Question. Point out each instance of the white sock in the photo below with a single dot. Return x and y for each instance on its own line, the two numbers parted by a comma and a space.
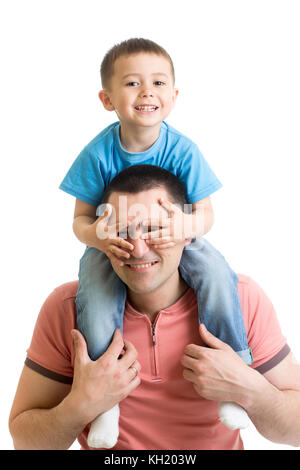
233, 416
104, 431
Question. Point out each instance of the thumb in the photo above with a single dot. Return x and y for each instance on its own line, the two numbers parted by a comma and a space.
210, 340
80, 348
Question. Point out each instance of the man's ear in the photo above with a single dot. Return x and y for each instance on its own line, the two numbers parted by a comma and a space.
105, 100
187, 241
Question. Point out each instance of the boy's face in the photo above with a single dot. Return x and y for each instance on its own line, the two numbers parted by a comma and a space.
141, 90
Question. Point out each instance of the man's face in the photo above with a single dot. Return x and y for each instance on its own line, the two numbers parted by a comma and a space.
141, 90
147, 268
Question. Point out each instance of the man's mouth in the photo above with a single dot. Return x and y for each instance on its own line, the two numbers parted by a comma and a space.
140, 266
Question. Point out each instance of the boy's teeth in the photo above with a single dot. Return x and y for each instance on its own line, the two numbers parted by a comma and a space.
146, 108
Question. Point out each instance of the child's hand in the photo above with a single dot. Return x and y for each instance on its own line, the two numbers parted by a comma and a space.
165, 233
114, 246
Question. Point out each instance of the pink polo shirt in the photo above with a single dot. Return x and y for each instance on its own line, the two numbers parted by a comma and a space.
164, 412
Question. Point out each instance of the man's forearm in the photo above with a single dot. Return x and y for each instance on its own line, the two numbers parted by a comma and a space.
43, 429
277, 416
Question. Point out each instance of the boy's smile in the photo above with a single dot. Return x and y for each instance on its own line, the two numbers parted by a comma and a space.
141, 91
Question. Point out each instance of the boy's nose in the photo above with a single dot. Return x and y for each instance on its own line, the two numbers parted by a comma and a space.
147, 92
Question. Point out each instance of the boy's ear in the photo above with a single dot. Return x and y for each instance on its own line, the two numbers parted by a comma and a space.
105, 100
176, 91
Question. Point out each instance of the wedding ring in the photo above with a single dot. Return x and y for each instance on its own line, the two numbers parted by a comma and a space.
135, 370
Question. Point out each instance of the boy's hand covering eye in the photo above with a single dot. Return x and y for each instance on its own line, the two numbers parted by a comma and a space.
112, 244
166, 232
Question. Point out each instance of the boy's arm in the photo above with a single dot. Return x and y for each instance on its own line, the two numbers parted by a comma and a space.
202, 217
84, 218
85, 228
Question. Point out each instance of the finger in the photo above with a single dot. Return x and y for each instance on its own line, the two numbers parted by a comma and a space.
133, 370
189, 362
122, 243
80, 347
165, 232
133, 384
161, 222
189, 375
115, 348
210, 339
195, 351
129, 356
162, 246
158, 241
113, 258
171, 208
118, 252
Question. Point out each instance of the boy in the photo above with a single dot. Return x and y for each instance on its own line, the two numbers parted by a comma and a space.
138, 84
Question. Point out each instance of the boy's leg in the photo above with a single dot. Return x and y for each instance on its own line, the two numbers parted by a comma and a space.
100, 307
100, 301
216, 286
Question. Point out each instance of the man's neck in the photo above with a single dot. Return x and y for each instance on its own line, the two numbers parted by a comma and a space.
163, 297
138, 139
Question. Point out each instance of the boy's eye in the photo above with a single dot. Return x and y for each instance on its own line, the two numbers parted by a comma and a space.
132, 84
159, 83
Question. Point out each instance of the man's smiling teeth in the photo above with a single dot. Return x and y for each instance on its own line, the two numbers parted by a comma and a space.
146, 108
141, 265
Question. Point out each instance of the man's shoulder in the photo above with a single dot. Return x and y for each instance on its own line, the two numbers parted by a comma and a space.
66, 291
59, 308
244, 280
248, 288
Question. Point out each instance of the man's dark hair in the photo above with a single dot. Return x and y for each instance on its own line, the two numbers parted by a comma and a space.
138, 178
126, 48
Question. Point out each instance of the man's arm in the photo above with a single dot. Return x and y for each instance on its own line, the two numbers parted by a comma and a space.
50, 415
38, 419
276, 415
272, 400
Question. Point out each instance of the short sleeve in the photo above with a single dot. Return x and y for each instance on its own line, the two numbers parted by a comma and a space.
199, 178
51, 348
85, 179
265, 337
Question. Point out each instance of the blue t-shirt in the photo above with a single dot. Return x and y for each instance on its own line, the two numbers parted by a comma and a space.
104, 157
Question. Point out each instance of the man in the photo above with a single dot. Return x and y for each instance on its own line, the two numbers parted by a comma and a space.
167, 383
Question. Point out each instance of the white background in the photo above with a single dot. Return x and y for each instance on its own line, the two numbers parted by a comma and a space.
237, 68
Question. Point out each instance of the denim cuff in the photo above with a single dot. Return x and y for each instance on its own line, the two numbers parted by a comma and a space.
246, 355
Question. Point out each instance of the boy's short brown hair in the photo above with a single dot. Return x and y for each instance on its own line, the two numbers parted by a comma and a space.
128, 47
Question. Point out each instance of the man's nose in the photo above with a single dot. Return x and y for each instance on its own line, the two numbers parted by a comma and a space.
140, 247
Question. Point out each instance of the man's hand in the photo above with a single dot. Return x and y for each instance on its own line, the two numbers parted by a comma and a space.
101, 384
219, 374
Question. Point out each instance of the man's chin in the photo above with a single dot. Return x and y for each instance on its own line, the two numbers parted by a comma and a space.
137, 289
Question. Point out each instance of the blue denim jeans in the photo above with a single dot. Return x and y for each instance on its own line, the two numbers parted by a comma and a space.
101, 298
